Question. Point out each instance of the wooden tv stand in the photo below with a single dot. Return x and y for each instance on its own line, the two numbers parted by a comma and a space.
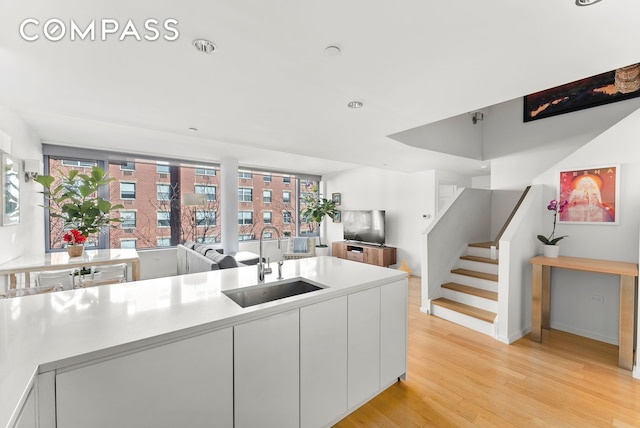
365, 253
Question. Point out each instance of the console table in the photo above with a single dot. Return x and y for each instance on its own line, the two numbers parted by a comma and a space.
365, 253
61, 260
541, 297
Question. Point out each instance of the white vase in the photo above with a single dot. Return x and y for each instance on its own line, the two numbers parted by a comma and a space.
322, 251
551, 250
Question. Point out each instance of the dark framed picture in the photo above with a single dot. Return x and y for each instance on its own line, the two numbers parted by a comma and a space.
592, 195
335, 197
609, 87
337, 217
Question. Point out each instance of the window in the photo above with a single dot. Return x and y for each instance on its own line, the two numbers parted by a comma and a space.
128, 166
163, 192
210, 191
267, 235
163, 241
205, 171
128, 219
78, 164
127, 243
206, 240
206, 218
245, 217
245, 194
164, 218
286, 217
127, 190
286, 233
245, 237
160, 219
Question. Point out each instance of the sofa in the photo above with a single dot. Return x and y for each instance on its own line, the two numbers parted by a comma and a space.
193, 257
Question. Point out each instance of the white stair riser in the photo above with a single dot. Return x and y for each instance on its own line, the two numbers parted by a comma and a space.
471, 300
480, 252
471, 281
479, 266
463, 320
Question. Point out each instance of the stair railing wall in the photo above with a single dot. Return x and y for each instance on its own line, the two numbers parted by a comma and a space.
467, 219
517, 245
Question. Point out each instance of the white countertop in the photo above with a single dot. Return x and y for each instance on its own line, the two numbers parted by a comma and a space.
44, 332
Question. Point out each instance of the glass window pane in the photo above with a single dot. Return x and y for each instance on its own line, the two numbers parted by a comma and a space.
127, 190
128, 219
163, 218
163, 192
208, 190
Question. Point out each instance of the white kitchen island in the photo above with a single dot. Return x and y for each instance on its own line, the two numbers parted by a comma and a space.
176, 351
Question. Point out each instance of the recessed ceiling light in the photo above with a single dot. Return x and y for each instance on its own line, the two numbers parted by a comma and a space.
586, 2
355, 104
204, 46
332, 51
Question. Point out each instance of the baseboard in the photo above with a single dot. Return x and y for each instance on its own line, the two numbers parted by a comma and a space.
508, 340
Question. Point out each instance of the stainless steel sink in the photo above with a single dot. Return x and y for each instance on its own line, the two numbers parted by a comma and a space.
250, 296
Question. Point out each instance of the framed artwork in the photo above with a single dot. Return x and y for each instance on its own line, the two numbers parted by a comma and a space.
592, 195
335, 197
10, 191
609, 87
337, 217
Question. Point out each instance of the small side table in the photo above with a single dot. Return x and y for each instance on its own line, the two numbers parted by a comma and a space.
541, 297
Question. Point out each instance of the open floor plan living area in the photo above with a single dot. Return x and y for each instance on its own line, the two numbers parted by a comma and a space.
338, 214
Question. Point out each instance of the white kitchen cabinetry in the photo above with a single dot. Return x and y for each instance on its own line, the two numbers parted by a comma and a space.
267, 372
363, 346
27, 418
323, 362
393, 332
188, 382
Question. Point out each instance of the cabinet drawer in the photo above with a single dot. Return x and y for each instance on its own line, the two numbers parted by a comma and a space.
359, 257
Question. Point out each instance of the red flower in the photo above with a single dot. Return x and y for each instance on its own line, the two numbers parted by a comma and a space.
74, 237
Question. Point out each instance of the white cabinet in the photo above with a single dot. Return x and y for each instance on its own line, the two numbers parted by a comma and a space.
323, 362
27, 418
393, 332
267, 372
184, 383
363, 346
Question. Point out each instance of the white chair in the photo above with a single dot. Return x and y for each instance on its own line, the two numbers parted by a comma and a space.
105, 274
56, 279
290, 254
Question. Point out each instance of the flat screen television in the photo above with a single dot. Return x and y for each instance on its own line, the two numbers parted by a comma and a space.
364, 226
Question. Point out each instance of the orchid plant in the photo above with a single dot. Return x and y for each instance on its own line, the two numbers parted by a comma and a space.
556, 208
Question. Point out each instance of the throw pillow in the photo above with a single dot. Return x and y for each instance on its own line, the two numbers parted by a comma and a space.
223, 261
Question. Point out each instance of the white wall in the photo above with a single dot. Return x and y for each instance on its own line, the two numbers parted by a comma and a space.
572, 307
28, 236
520, 151
406, 199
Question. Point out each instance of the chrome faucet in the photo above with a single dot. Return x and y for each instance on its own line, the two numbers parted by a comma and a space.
262, 270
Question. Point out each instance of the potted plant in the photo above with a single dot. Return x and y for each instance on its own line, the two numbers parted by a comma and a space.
73, 197
551, 248
316, 209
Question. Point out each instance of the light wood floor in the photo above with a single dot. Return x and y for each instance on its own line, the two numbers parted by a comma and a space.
458, 378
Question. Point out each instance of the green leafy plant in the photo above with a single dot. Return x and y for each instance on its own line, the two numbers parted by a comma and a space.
73, 197
317, 208
556, 208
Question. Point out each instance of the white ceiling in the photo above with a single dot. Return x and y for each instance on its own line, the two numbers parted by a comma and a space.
269, 96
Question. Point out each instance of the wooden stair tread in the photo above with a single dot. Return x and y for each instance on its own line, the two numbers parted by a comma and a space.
480, 314
485, 294
482, 244
476, 274
479, 259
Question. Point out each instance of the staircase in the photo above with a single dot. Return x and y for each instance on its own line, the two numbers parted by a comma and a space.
470, 297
